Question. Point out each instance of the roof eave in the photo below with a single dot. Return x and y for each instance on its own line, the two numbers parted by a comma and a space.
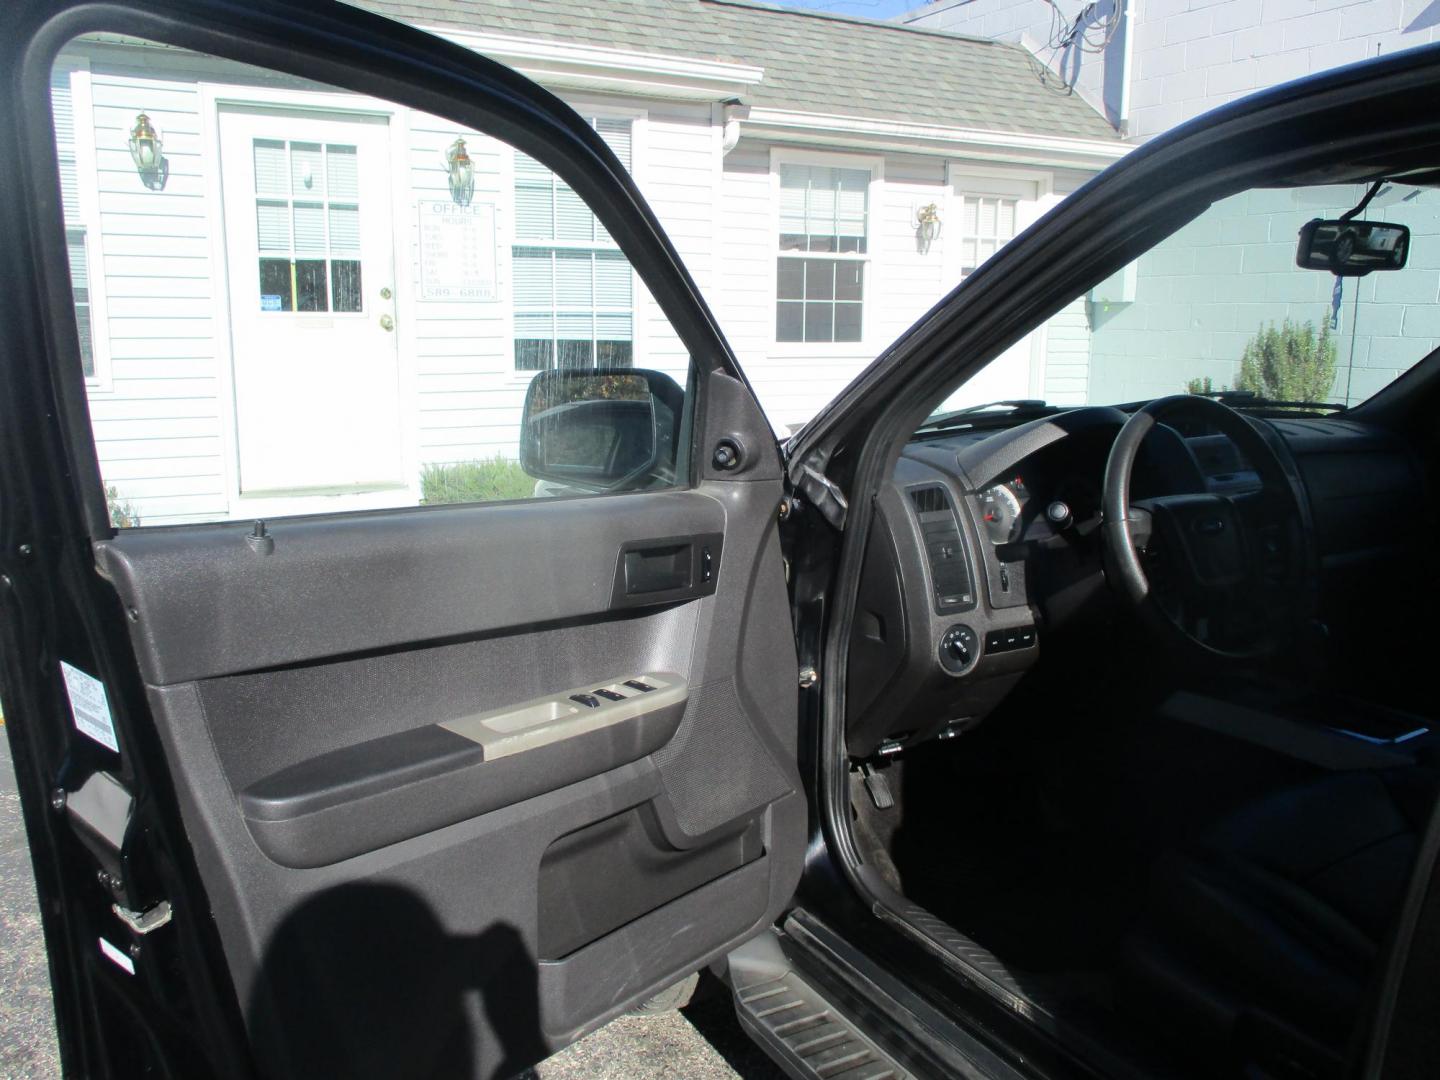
563, 65
868, 133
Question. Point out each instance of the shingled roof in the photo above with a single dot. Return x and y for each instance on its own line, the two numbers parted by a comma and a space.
813, 62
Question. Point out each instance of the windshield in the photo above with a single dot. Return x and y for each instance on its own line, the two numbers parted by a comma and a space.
1221, 306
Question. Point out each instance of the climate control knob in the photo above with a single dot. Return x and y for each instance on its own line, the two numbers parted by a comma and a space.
959, 649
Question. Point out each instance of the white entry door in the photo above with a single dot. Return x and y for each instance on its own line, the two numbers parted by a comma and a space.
310, 251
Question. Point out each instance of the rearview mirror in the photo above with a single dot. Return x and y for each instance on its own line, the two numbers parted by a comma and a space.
601, 429
1352, 248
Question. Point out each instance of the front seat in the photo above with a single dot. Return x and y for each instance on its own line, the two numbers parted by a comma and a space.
1257, 944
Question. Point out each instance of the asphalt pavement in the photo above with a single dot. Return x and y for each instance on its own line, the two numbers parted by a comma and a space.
702, 1043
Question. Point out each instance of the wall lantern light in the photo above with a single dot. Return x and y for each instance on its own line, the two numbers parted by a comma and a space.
146, 151
927, 227
462, 173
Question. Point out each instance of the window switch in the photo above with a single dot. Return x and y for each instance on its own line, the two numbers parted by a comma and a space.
636, 684
590, 701
610, 695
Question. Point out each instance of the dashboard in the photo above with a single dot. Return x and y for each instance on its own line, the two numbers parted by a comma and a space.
986, 545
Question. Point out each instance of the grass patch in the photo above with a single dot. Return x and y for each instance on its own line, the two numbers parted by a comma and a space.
475, 481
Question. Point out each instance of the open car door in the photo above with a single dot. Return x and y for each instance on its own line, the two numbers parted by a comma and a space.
389, 789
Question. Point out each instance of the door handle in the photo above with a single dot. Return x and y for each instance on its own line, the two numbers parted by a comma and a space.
387, 323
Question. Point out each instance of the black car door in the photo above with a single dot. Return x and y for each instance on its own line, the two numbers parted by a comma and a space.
395, 790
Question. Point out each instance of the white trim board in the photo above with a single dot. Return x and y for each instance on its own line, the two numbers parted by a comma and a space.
866, 134
621, 71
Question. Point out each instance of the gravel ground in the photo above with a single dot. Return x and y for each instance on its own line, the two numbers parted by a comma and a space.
702, 1043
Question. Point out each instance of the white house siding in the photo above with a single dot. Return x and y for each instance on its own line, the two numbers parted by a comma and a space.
157, 420
469, 396
677, 166
902, 282
1203, 294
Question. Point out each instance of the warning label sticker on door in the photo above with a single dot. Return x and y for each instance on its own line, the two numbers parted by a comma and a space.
89, 706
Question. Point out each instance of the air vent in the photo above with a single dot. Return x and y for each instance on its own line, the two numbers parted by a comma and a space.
928, 500
945, 551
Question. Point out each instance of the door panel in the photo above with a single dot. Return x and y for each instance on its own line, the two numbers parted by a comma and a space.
303, 731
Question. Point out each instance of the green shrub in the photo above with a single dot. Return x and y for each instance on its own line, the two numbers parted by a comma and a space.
475, 481
1203, 385
1291, 363
122, 512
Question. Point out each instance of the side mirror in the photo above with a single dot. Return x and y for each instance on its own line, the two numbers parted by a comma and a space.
601, 429
1352, 248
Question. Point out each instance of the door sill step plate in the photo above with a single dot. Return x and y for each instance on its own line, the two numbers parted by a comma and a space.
804, 1032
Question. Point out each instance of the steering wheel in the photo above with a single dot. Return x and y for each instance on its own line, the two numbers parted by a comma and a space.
1225, 574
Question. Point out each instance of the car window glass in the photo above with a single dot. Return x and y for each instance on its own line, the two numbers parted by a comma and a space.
290, 299
1221, 307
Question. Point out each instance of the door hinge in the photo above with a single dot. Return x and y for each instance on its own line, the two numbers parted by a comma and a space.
101, 814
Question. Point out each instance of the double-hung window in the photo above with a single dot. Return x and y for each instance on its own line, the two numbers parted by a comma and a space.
573, 295
820, 272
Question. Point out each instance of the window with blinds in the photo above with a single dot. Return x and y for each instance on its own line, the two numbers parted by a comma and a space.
573, 293
820, 273
987, 223
62, 102
307, 212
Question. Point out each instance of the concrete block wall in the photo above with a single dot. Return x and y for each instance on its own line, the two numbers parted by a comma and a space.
1193, 55
1203, 293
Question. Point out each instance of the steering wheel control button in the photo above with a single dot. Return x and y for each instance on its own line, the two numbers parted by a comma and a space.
959, 649
1009, 639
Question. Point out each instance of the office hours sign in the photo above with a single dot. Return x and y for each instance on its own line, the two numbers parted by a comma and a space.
457, 251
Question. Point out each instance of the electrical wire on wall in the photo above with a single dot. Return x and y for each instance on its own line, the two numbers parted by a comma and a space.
1057, 64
